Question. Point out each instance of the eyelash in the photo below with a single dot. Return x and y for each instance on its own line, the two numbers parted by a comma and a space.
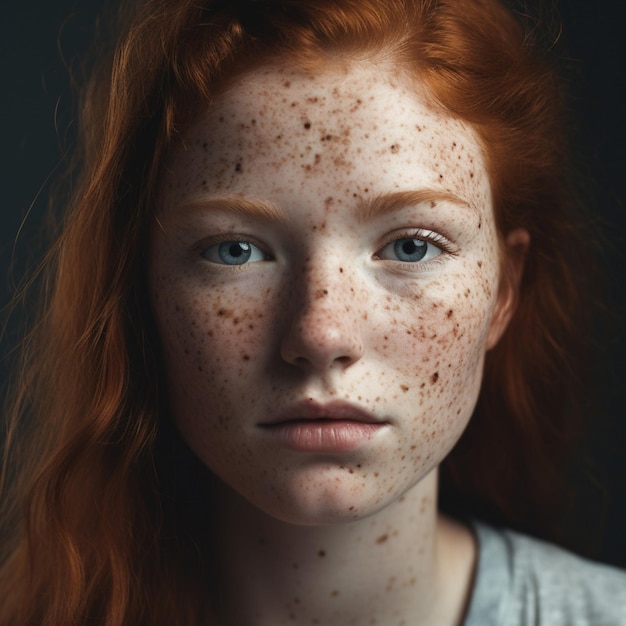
434, 238
205, 244
429, 236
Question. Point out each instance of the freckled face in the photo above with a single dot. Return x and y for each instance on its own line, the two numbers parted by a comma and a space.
324, 239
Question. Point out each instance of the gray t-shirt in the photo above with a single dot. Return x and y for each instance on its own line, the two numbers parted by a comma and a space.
525, 582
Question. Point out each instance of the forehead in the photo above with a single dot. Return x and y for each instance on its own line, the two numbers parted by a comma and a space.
364, 127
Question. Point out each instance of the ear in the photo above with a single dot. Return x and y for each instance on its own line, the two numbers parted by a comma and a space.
515, 247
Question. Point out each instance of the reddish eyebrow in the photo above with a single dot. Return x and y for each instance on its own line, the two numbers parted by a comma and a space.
370, 209
247, 207
367, 209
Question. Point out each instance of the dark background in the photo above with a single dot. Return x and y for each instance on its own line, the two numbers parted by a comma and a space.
36, 130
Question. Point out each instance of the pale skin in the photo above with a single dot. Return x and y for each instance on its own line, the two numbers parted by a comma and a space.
369, 274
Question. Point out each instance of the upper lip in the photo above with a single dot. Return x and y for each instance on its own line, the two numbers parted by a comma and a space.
314, 410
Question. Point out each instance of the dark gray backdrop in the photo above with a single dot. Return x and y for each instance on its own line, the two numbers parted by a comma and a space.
35, 113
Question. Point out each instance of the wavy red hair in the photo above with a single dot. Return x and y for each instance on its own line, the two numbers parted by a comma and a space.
99, 532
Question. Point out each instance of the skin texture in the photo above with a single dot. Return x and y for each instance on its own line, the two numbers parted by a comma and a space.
322, 174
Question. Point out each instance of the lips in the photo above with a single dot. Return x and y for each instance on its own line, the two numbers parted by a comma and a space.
324, 428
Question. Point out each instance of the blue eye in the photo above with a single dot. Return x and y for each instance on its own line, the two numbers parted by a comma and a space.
234, 253
409, 250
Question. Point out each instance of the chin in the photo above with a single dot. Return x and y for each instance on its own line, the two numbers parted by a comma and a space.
327, 496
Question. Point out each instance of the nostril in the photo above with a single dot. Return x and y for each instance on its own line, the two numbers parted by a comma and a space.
344, 360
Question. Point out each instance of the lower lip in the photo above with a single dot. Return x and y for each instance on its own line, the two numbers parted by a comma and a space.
323, 436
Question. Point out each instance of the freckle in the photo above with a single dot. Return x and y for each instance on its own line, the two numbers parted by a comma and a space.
321, 553
395, 148
404, 388
480, 263
382, 538
246, 357
334, 593
341, 270
435, 377
450, 313
287, 84
471, 174
205, 145
238, 167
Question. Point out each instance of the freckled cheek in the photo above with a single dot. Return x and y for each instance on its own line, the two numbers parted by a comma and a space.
434, 362
213, 340
439, 386
216, 330
433, 326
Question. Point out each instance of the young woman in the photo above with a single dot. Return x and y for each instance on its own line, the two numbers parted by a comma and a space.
311, 242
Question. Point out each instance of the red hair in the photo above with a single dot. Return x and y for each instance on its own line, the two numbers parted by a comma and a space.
98, 534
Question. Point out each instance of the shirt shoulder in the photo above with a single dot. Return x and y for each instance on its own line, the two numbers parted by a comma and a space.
521, 581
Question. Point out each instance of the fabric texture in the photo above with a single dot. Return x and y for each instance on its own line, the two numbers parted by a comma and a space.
521, 581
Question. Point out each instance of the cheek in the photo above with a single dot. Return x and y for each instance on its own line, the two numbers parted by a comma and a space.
435, 344
212, 339
433, 366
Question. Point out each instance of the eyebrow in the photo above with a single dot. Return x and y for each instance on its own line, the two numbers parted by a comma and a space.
367, 209
246, 207
383, 204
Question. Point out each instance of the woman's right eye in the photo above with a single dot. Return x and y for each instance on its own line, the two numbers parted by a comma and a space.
234, 253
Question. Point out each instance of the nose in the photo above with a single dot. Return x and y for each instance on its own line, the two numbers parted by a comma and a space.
323, 330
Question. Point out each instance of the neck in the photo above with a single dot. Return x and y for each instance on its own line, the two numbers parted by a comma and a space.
383, 569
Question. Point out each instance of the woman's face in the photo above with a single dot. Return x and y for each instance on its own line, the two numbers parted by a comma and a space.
324, 272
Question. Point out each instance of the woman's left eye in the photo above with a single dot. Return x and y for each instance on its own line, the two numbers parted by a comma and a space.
409, 250
234, 253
